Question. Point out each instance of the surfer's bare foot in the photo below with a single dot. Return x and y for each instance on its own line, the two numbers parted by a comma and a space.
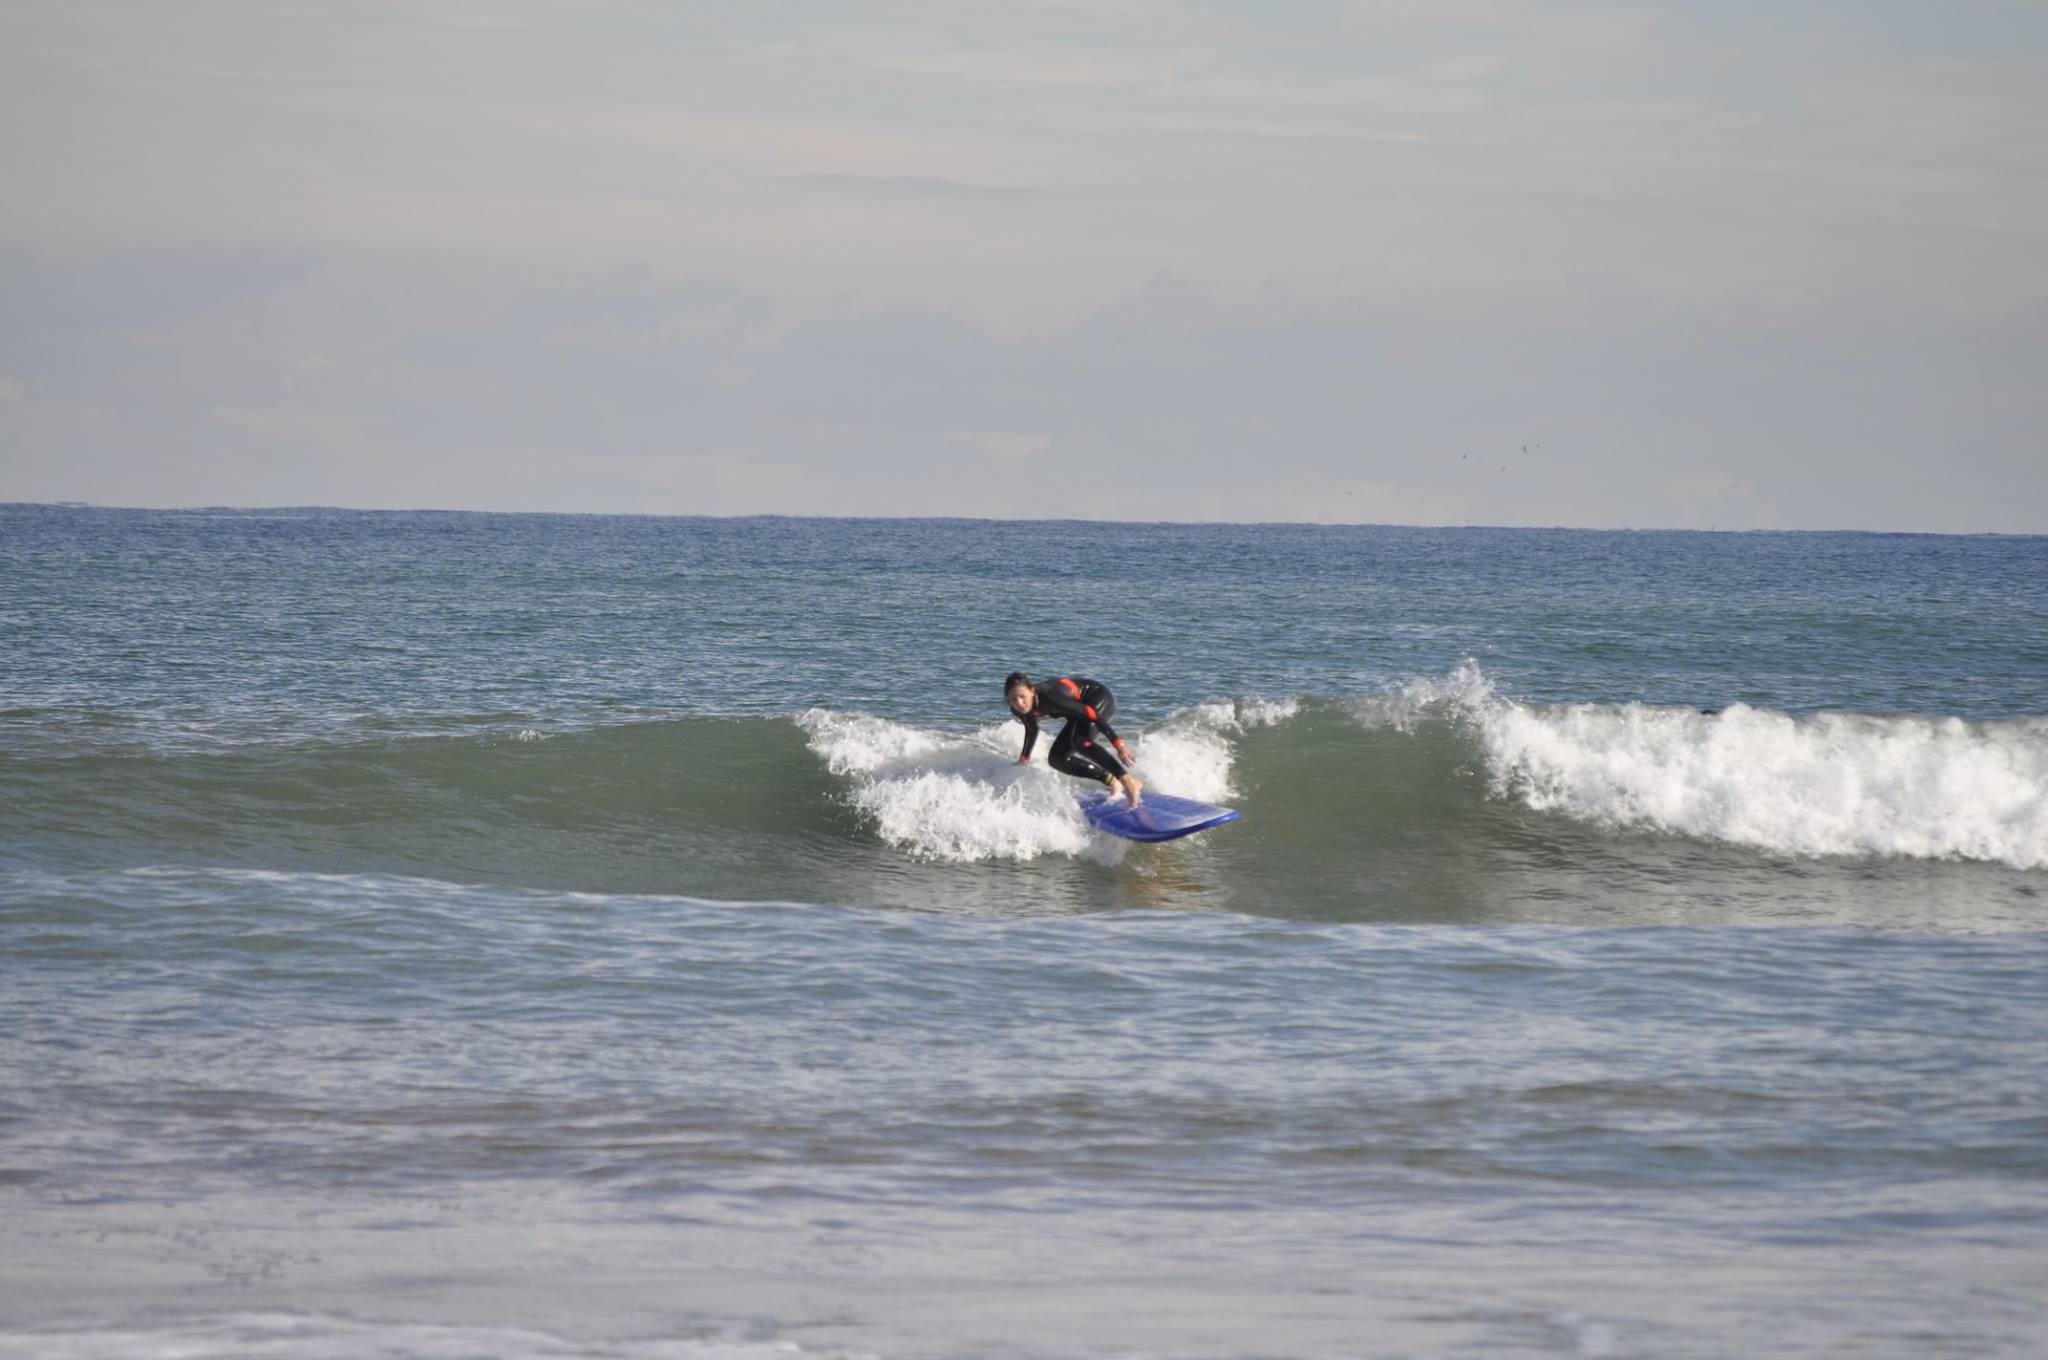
1132, 787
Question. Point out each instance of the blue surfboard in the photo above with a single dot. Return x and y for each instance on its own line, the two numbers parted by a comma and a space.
1157, 817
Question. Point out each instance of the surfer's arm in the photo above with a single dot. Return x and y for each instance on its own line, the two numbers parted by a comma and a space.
1030, 737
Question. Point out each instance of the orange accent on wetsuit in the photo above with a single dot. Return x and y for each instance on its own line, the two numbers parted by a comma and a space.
1089, 709
1068, 699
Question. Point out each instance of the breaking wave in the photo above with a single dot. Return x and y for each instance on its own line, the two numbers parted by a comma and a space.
1816, 784
731, 807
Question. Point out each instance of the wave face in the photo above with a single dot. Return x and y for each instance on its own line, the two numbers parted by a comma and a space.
1438, 800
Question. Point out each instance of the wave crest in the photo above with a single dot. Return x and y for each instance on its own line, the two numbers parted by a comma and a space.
1821, 784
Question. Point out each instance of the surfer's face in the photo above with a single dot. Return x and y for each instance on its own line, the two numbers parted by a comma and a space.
1021, 701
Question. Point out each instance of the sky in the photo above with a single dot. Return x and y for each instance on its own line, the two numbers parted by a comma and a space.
1729, 265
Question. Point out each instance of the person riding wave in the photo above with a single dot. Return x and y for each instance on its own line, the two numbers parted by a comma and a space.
1086, 706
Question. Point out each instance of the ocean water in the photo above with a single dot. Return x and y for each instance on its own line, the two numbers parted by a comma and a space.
459, 935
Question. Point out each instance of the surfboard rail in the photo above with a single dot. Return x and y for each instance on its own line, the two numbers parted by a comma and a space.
1157, 817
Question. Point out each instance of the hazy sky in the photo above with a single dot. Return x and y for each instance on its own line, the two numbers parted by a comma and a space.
1731, 263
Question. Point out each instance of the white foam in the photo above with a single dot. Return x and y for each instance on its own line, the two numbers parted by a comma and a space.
1825, 784
285, 1336
1266, 712
964, 797
1465, 692
1830, 784
1194, 752
945, 797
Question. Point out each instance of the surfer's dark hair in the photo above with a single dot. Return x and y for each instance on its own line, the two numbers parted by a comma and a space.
1016, 680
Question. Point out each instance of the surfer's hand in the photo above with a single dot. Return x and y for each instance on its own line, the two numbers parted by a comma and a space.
1125, 752
1023, 760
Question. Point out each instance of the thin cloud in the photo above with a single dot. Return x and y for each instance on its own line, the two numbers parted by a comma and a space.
1279, 260
913, 187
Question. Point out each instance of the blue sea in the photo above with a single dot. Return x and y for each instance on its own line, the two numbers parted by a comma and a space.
547, 937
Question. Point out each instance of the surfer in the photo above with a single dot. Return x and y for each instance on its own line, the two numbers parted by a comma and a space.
1086, 706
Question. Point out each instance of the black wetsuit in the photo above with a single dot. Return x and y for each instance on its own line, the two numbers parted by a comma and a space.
1086, 706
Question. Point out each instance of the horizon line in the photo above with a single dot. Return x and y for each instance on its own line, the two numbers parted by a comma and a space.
222, 508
